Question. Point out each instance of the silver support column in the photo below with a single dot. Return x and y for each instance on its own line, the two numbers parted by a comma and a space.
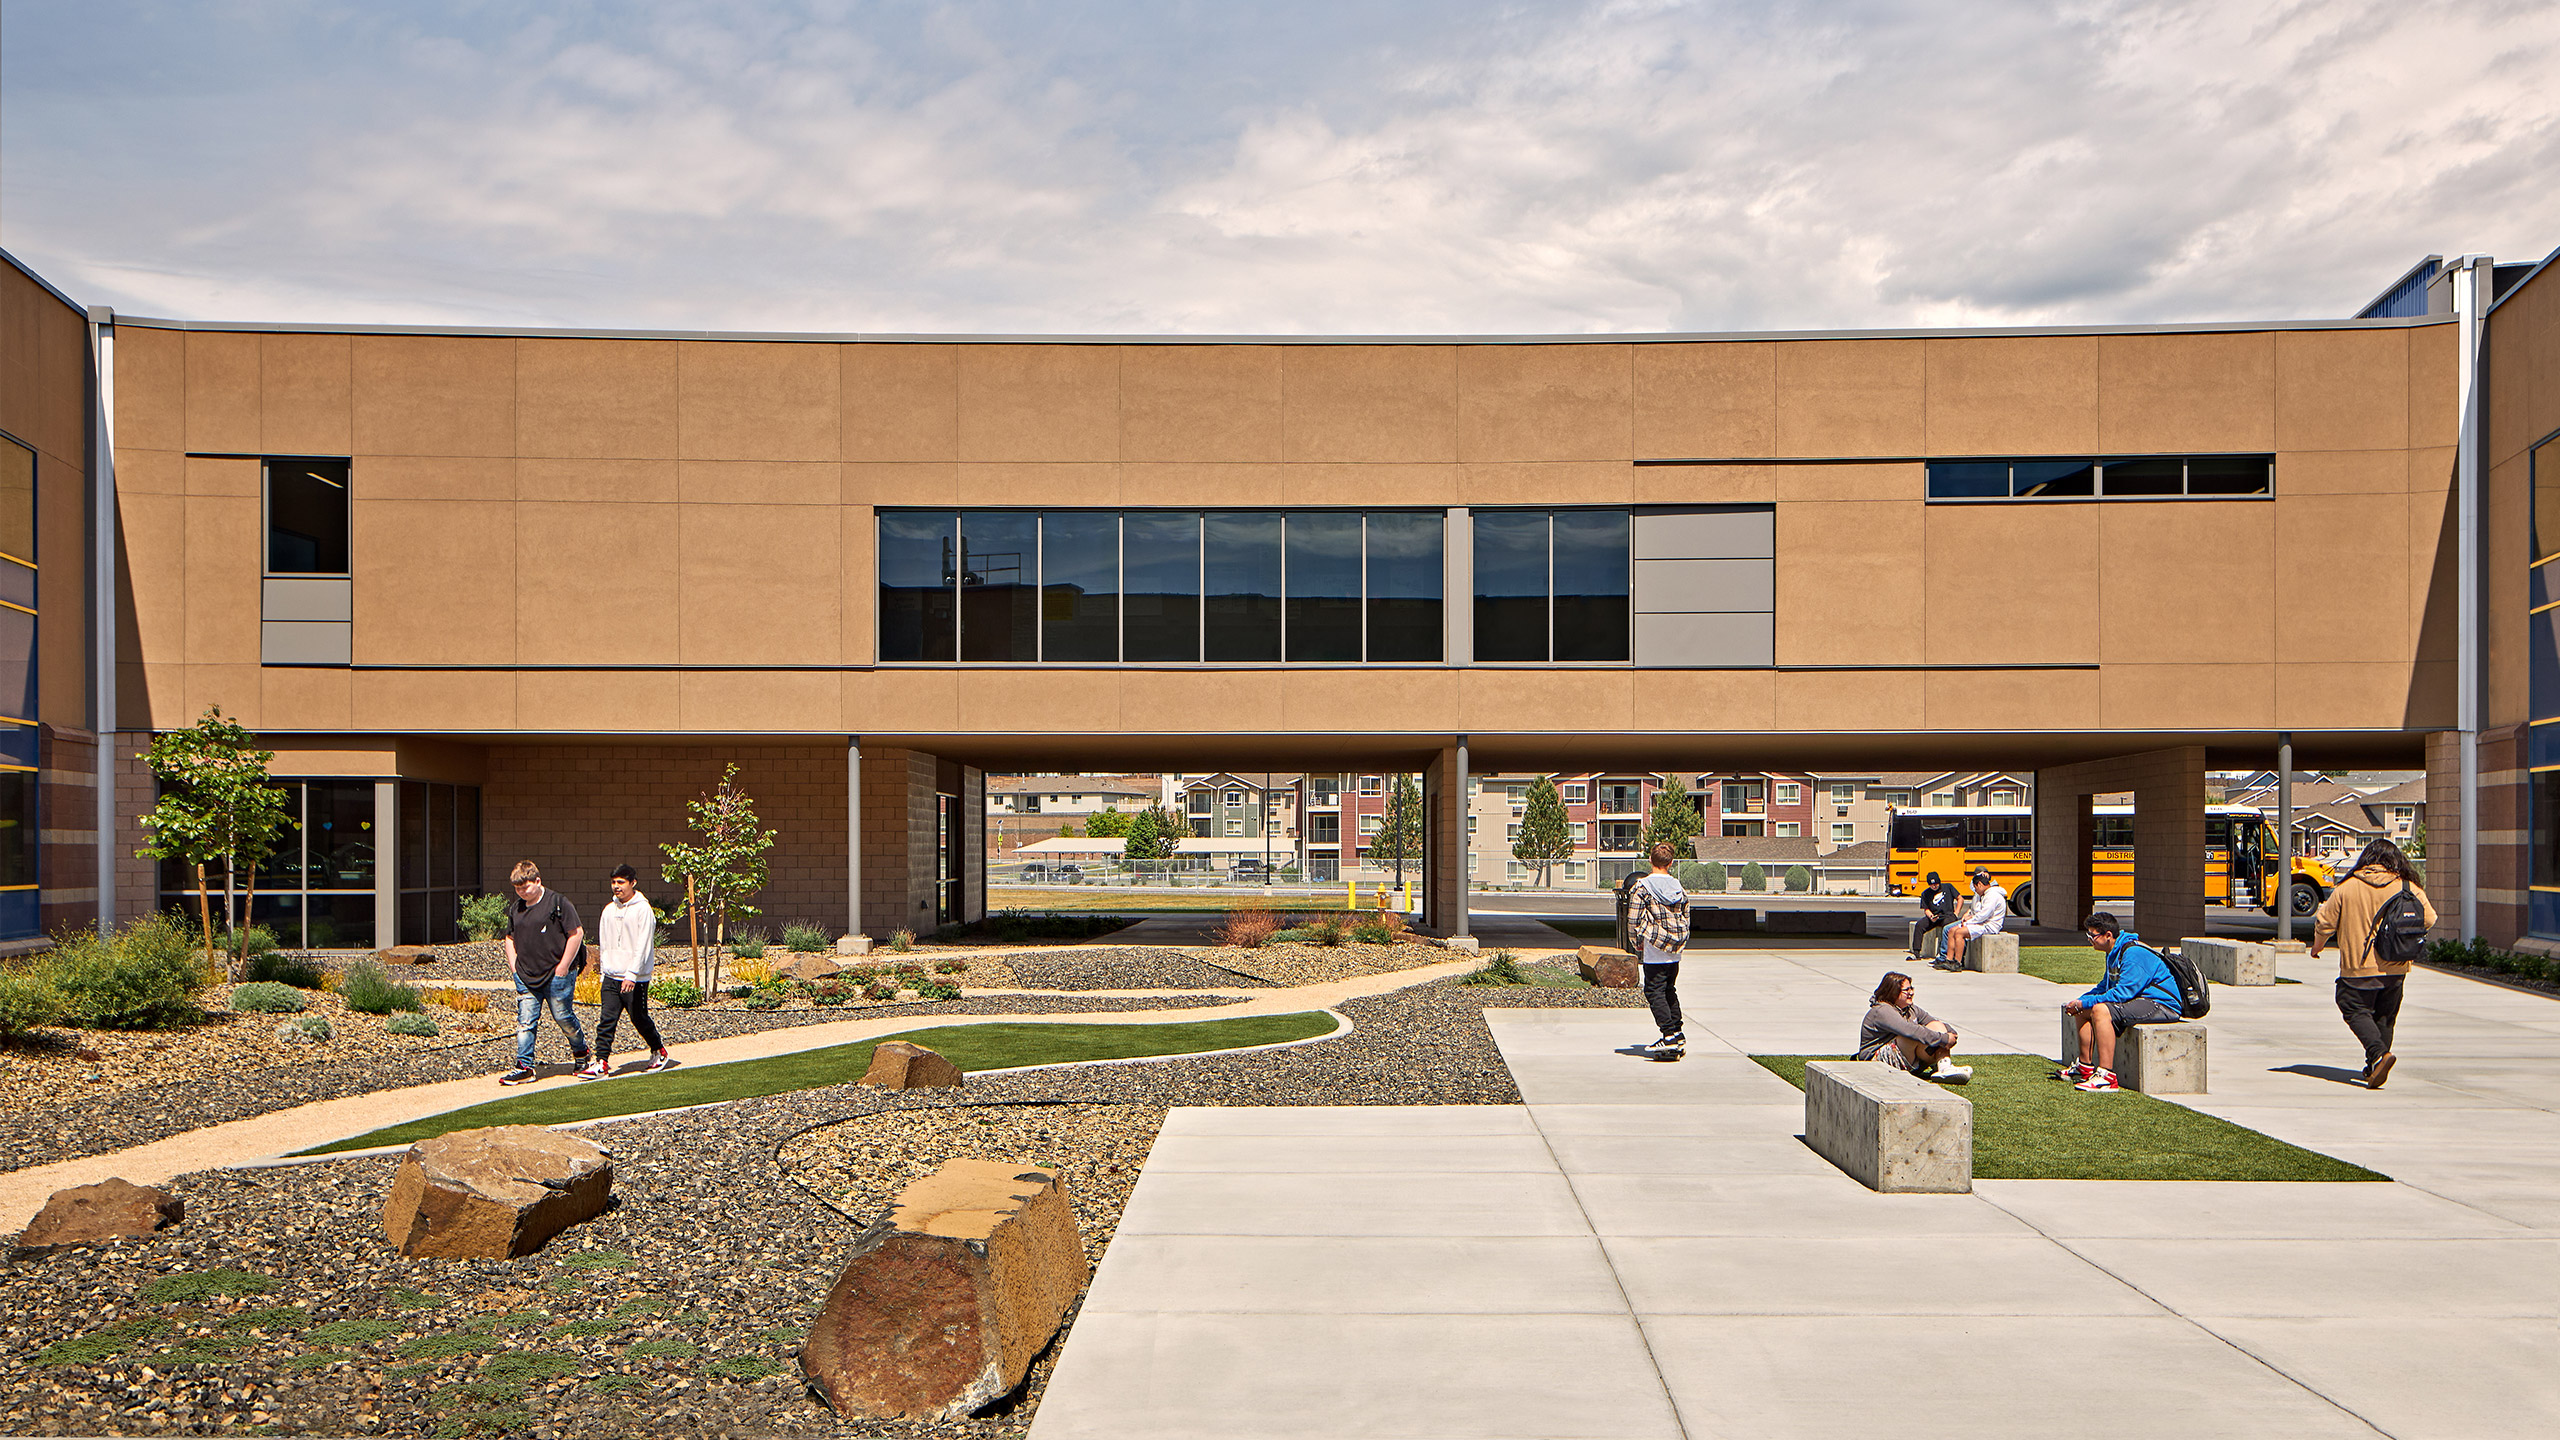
2470, 306
853, 835
102, 604
1458, 588
2284, 836
1458, 782
386, 868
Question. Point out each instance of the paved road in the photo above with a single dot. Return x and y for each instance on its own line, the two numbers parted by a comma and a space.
1649, 1250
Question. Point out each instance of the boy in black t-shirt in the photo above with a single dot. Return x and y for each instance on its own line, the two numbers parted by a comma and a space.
544, 938
1937, 911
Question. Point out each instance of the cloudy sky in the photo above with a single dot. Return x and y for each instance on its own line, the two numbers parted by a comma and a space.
1221, 166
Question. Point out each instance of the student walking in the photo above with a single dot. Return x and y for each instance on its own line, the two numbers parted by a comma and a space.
1659, 916
627, 939
544, 942
2368, 985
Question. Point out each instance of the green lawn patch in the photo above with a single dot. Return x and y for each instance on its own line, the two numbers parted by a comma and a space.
971, 1047
2027, 1126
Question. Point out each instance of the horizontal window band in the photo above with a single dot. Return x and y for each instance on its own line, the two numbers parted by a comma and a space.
1149, 667
2260, 497
2004, 458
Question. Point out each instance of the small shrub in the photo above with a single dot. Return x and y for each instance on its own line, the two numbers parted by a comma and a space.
27, 1000
587, 989
369, 988
677, 991
137, 977
416, 1300
1294, 935
743, 1367
1373, 932
911, 970
1327, 929
316, 1026
266, 997
802, 937
277, 968
766, 997
951, 967
1502, 968
203, 1285
1248, 929
252, 941
418, 1025
1754, 878
527, 1366
1799, 880
79, 1350
1715, 880
830, 993
882, 989
903, 941
753, 972
747, 945
454, 998
937, 990
484, 917
1690, 874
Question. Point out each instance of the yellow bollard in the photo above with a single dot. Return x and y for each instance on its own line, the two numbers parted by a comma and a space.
1350, 894
1407, 896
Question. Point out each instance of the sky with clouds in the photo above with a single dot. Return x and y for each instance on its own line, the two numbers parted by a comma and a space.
1224, 167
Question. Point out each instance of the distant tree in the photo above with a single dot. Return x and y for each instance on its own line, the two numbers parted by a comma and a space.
216, 805
1545, 835
1674, 820
1754, 878
1715, 876
2415, 847
1153, 834
1107, 824
1067, 831
1400, 839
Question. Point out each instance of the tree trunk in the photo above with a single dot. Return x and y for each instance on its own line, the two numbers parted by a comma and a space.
204, 910
693, 933
719, 942
240, 930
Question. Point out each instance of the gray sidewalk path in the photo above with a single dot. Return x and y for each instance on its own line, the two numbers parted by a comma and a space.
1646, 1249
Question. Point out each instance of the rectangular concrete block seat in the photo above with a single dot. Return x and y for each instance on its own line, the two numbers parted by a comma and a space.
1817, 922
1723, 917
1992, 954
2154, 1059
1889, 1130
2231, 962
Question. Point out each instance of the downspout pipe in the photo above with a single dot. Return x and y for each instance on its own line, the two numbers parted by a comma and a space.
102, 599
2284, 837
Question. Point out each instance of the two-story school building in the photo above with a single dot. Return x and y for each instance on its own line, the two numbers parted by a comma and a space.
494, 595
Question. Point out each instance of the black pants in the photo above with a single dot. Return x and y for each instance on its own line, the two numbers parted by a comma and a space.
615, 1004
2372, 1014
1662, 992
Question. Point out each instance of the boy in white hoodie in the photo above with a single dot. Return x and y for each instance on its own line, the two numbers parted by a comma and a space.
627, 938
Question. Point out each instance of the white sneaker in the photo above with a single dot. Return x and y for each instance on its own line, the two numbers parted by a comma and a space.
1952, 1074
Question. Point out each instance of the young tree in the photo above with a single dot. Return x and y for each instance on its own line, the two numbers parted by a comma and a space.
1674, 820
727, 867
1107, 824
1545, 835
2415, 847
1153, 834
216, 804
1400, 839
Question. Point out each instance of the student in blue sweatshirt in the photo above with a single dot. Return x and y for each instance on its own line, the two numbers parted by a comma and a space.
2138, 990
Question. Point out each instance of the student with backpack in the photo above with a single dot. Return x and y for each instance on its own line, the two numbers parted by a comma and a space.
1659, 917
2380, 917
2139, 989
545, 939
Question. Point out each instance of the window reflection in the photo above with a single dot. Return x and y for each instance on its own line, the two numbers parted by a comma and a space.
1160, 565
1324, 587
999, 568
1405, 576
1242, 556
918, 615
1080, 586
1511, 584
1591, 569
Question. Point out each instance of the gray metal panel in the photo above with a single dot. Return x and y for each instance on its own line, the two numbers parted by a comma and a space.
1718, 641
1674, 586
309, 600
306, 642
1707, 532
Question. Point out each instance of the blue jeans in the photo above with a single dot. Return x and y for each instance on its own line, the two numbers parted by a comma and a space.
560, 990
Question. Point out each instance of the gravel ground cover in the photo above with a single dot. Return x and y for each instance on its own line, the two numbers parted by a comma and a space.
1317, 964
1123, 967
679, 1310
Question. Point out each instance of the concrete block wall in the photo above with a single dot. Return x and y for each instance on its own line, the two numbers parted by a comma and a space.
2506, 854
2168, 838
137, 879
67, 799
897, 842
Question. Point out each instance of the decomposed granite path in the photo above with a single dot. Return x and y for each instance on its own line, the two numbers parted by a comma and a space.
265, 1137
1650, 1250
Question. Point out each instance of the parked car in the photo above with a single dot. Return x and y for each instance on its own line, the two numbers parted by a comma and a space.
1042, 873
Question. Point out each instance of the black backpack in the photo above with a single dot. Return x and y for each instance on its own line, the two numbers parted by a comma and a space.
2400, 929
2193, 999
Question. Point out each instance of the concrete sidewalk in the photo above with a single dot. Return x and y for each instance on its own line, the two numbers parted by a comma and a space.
1646, 1249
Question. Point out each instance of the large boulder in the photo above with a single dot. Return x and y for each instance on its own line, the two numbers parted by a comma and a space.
806, 967
898, 1065
406, 955
946, 1301
1609, 967
107, 1211
494, 1194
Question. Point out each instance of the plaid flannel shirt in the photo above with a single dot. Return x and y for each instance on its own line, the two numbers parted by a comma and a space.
1658, 924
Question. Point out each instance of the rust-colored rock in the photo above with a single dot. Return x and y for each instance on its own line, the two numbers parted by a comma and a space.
494, 1194
897, 1065
806, 967
406, 955
107, 1211
1610, 968
945, 1302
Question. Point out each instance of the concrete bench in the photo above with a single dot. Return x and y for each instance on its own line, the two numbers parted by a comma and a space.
2231, 962
1817, 922
1722, 917
1609, 967
2154, 1059
1992, 954
1889, 1130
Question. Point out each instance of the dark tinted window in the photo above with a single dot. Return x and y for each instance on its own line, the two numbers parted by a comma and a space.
1242, 599
1161, 611
17, 827
999, 570
1404, 588
1080, 586
17, 501
2146, 477
2545, 801
1591, 606
307, 517
2053, 479
2229, 475
1511, 585
338, 831
918, 620
17, 664
1324, 587
1969, 480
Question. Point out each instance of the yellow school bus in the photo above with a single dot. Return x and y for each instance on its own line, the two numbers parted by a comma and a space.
2238, 840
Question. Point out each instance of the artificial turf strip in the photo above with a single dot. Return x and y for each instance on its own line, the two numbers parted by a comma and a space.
971, 1047
2028, 1126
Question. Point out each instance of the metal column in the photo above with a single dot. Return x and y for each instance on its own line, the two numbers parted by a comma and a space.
853, 835
1458, 783
102, 606
2470, 304
386, 868
2284, 836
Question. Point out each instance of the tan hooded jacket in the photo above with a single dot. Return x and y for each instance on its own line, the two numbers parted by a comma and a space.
2348, 915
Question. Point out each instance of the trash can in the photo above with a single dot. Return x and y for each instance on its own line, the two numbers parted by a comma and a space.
1626, 902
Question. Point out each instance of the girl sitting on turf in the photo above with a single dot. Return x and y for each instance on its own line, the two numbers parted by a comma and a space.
1897, 1032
